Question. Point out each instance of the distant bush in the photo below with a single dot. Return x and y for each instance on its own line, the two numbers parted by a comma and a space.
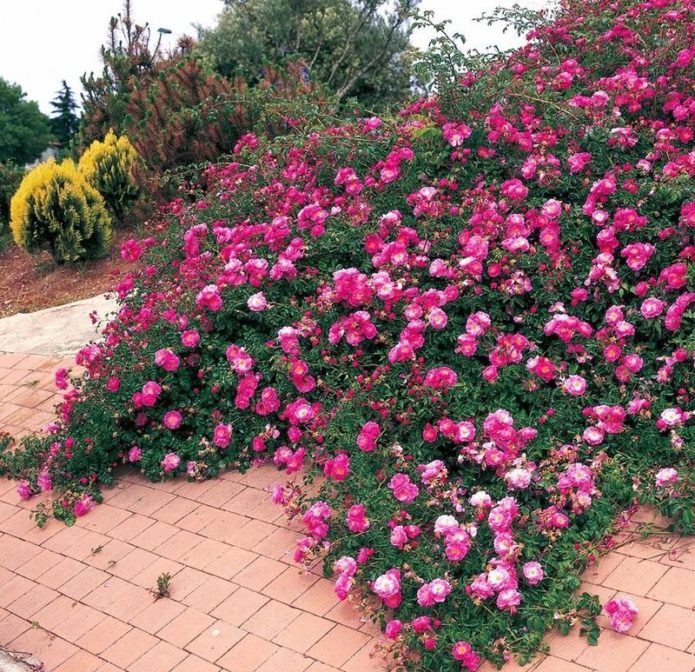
189, 115
108, 166
10, 179
56, 209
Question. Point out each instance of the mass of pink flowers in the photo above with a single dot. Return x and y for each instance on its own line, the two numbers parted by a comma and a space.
470, 324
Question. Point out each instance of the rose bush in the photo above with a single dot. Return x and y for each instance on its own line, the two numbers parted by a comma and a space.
472, 322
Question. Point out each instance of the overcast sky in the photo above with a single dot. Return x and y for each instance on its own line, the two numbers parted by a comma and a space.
43, 42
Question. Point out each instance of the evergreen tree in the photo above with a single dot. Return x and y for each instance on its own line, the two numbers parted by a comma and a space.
64, 121
130, 61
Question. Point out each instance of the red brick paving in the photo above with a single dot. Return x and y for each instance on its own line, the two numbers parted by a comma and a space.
238, 603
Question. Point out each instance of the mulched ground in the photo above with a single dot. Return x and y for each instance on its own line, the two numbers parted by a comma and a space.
32, 282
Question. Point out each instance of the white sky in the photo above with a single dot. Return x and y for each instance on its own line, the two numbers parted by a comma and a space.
43, 42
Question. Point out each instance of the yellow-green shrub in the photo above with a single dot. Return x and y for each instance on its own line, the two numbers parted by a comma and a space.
108, 167
56, 209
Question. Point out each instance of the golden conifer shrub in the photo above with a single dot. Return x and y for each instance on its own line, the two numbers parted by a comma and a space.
108, 167
56, 209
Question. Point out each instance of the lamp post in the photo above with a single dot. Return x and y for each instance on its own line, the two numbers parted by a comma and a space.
162, 32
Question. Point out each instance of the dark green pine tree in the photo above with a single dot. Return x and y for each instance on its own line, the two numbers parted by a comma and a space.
64, 121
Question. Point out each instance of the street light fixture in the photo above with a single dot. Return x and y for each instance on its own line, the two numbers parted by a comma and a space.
162, 32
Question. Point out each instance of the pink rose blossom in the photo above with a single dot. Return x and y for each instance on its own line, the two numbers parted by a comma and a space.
463, 652
445, 524
508, 600
403, 489
61, 378
393, 629
665, 477
518, 479
170, 462
574, 385
388, 588
356, 519
434, 592
209, 297
172, 419
257, 302
533, 573
621, 612
652, 308
593, 436
24, 490
83, 505
134, 454
190, 338
167, 359
150, 393
222, 435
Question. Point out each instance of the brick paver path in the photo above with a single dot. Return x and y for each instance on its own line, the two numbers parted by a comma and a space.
77, 598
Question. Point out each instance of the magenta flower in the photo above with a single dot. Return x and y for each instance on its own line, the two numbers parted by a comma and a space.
61, 378
44, 481
190, 338
441, 378
167, 359
393, 629
83, 505
403, 489
222, 435
150, 393
209, 297
356, 519
134, 454
463, 652
337, 468
170, 462
24, 490
621, 612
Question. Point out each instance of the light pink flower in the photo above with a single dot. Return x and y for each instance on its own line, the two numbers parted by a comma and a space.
257, 302
508, 600
574, 385
652, 308
170, 462
533, 573
403, 489
666, 476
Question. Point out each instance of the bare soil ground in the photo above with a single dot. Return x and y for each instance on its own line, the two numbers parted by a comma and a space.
32, 282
